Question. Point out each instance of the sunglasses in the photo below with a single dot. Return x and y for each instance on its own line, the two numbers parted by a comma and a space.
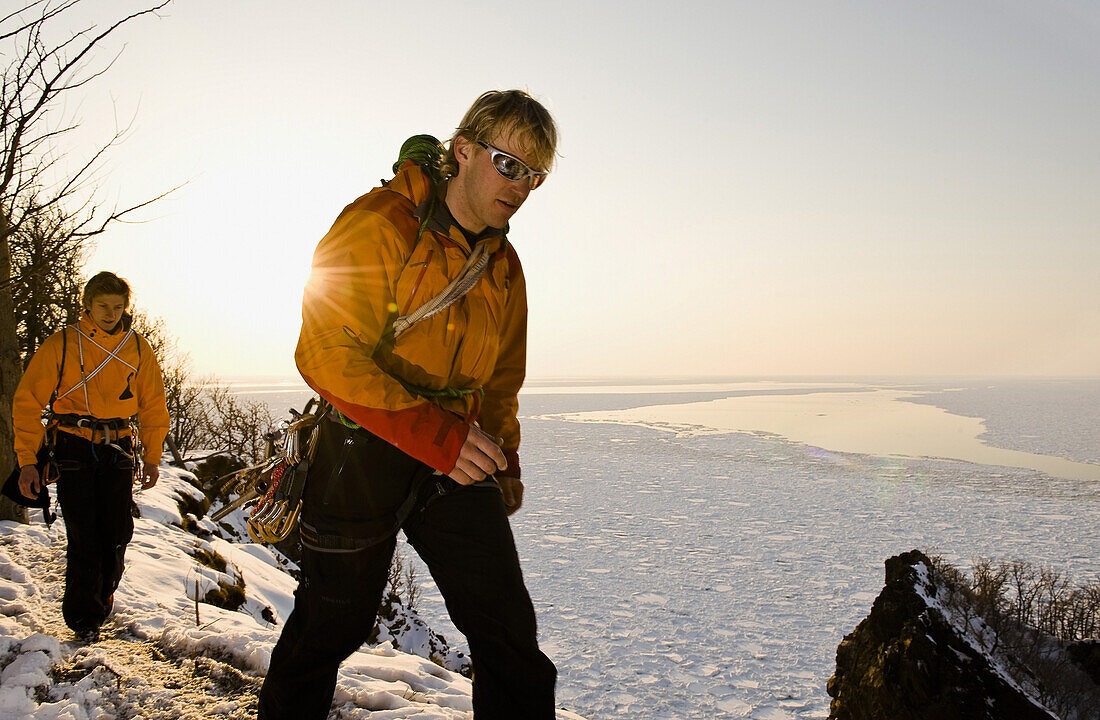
512, 168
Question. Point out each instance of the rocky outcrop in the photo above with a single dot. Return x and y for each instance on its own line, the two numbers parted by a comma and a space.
908, 660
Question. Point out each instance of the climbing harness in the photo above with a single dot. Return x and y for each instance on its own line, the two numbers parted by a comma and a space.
88, 422
105, 426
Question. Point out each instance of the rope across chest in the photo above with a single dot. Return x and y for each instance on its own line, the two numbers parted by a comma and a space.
94, 357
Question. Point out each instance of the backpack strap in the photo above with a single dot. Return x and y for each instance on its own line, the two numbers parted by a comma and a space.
61, 367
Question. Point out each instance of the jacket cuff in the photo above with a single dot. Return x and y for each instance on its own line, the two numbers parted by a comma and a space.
431, 435
512, 456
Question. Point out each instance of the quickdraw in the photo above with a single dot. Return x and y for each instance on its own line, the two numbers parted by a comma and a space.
276, 484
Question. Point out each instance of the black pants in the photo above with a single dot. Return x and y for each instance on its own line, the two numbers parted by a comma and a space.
355, 489
95, 493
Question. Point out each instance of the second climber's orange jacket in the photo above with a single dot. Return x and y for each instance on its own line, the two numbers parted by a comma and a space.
127, 384
370, 269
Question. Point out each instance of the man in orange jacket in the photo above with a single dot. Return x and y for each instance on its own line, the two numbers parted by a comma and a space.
99, 373
423, 436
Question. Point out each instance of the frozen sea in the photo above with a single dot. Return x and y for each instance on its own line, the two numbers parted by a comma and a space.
681, 570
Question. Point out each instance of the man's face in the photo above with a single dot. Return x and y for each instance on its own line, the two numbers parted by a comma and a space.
106, 311
484, 197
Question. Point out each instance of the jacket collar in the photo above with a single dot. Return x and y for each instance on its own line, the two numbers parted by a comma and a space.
89, 328
428, 200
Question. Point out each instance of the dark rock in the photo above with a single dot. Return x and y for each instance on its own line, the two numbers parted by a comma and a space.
905, 661
1086, 654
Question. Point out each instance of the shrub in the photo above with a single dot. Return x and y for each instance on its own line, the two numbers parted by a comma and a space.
226, 595
1028, 616
402, 583
210, 559
1025, 595
189, 505
217, 466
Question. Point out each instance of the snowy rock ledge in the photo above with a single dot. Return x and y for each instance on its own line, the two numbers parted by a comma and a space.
923, 652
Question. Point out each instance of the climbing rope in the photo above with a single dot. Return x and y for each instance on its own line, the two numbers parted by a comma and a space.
467, 277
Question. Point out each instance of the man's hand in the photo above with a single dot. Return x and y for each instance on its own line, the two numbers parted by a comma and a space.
29, 482
149, 475
479, 458
512, 489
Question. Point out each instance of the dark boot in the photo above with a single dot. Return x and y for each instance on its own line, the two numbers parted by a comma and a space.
87, 635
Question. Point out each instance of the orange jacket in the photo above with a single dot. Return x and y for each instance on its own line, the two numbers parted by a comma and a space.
127, 384
367, 271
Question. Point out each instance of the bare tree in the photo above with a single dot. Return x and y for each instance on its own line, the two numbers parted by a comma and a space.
234, 425
184, 394
38, 73
46, 259
206, 414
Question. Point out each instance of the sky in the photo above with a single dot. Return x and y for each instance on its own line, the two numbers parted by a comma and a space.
743, 188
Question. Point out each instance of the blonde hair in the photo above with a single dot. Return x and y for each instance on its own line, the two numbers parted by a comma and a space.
104, 283
511, 110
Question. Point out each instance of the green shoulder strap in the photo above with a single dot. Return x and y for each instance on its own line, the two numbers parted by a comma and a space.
427, 152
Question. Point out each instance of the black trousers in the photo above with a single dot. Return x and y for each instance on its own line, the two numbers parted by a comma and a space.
95, 492
356, 486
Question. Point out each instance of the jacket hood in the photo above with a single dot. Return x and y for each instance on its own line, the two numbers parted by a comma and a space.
413, 182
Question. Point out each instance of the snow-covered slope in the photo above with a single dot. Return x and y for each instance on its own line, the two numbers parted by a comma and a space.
169, 655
